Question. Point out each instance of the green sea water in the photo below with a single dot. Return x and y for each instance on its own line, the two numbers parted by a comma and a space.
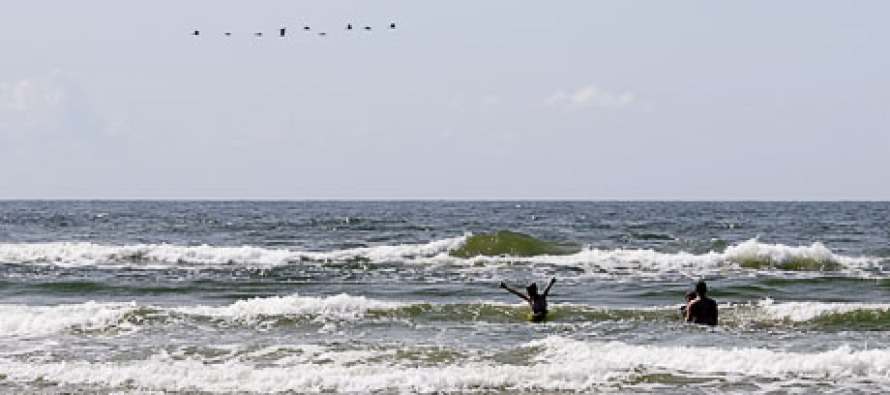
403, 297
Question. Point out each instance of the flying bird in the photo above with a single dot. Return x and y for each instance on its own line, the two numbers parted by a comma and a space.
283, 31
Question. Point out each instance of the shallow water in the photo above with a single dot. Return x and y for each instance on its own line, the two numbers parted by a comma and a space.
258, 297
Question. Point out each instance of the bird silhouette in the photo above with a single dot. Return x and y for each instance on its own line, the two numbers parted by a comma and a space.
282, 32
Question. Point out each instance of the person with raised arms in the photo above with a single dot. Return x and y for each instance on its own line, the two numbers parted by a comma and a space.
538, 302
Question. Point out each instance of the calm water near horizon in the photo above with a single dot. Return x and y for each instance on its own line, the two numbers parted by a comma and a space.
173, 297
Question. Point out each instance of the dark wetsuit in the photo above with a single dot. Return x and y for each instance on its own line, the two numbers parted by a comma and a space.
539, 308
538, 302
703, 311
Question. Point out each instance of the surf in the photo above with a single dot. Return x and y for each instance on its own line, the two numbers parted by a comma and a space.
560, 364
480, 251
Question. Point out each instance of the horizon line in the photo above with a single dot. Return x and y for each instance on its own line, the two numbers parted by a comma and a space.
359, 200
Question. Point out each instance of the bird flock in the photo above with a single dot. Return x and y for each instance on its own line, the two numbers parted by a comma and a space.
282, 32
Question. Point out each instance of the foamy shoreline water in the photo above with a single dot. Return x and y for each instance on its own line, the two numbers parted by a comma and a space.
394, 297
560, 364
28, 320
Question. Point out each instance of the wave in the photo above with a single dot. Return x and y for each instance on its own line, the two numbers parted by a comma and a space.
23, 320
823, 313
554, 364
29, 321
506, 243
163, 255
337, 307
330, 311
745, 256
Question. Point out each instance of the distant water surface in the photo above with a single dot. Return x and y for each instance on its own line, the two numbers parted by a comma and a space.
395, 297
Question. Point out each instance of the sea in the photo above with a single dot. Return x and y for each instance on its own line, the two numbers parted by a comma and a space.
392, 297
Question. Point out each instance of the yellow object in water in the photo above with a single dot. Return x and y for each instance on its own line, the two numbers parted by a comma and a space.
532, 317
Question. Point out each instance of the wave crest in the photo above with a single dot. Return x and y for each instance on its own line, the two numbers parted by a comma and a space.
559, 364
748, 255
28, 321
150, 255
337, 307
24, 320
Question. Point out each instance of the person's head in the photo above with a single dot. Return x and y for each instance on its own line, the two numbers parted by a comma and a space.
532, 289
690, 296
701, 288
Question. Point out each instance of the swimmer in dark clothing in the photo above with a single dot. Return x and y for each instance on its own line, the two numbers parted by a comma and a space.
538, 302
702, 310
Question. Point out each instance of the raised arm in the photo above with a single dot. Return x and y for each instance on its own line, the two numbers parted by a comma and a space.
513, 291
549, 285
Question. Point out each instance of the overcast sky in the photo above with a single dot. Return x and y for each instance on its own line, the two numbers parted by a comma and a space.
767, 100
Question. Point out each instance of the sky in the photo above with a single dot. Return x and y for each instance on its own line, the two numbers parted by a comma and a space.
589, 100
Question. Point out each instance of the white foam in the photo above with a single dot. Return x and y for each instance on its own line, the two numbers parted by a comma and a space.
703, 361
752, 249
338, 307
405, 252
36, 320
806, 311
642, 262
650, 262
88, 254
561, 364
24, 320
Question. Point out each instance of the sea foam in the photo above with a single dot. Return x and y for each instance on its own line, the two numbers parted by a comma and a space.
748, 255
558, 363
807, 311
336, 307
25, 320
91, 254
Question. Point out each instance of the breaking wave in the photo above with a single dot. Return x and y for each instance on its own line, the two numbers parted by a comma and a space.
748, 255
558, 363
154, 255
337, 307
24, 320
330, 311
825, 314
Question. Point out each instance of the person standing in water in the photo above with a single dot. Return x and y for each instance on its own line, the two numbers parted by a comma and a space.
702, 310
538, 302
